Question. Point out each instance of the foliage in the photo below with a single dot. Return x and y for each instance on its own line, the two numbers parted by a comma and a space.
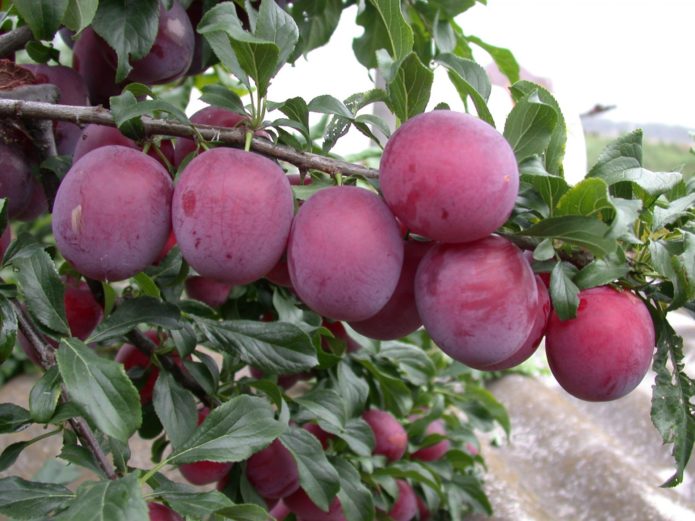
624, 225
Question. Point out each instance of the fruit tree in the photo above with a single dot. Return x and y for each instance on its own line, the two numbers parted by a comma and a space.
297, 333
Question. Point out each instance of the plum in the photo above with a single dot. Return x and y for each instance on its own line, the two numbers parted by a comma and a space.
210, 291
284, 380
232, 212
604, 352
423, 512
399, 317
97, 136
478, 301
36, 205
15, 177
204, 472
390, 437
72, 90
345, 253
82, 310
99, 75
273, 471
320, 434
535, 336
449, 176
437, 450
112, 213
340, 334
159, 512
305, 509
279, 511
131, 357
405, 506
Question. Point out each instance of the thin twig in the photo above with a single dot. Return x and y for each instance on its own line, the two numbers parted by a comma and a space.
230, 136
14, 40
47, 359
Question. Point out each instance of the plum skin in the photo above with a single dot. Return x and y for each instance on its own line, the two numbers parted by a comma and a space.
204, 472
273, 471
210, 291
159, 512
405, 507
232, 211
345, 253
604, 352
390, 437
437, 450
305, 509
438, 159
112, 213
15, 178
477, 300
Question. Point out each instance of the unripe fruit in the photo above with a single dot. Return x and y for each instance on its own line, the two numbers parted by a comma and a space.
399, 317
449, 176
345, 253
405, 506
477, 300
306, 510
159, 512
437, 450
390, 437
273, 471
204, 472
605, 351
232, 212
112, 213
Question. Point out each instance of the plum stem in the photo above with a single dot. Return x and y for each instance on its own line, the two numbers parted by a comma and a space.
31, 110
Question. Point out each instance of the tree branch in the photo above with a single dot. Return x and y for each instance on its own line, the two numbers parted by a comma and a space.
231, 136
78, 424
14, 40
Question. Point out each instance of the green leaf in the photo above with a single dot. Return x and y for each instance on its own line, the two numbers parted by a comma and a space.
627, 211
175, 407
353, 389
589, 197
355, 498
410, 89
80, 14
326, 104
677, 266
317, 476
142, 310
671, 411
55, 471
622, 161
132, 128
11, 453
232, 432
675, 210
188, 500
100, 388
394, 393
529, 126
503, 58
600, 272
555, 151
469, 79
8, 328
221, 96
43, 289
22, 499
274, 24
338, 126
43, 398
274, 347
129, 27
411, 361
147, 286
13, 417
550, 187
563, 292
134, 109
357, 434
80, 456
316, 22
247, 512
113, 500
326, 405
42, 16
398, 32
586, 232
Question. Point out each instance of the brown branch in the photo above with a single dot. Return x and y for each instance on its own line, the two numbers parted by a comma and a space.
14, 40
231, 136
47, 359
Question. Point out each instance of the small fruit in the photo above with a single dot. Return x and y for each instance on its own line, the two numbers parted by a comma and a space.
390, 437
273, 471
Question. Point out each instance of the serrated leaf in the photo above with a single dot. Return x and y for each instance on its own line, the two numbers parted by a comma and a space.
357, 434
353, 389
394, 393
274, 347
627, 211
317, 476
274, 24
550, 187
221, 96
503, 58
588, 197
11, 453
327, 104
398, 32
355, 498
586, 232
129, 27
43, 398
411, 361
8, 328
529, 126
326, 405
600, 272
232, 432
677, 267
80, 13
316, 22
42, 16
101, 388
188, 500
111, 500
469, 79
622, 161
142, 310
43, 289
135, 109
338, 126
675, 210
409, 90
564, 294
245, 512
22, 499
671, 410
175, 407
80, 456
